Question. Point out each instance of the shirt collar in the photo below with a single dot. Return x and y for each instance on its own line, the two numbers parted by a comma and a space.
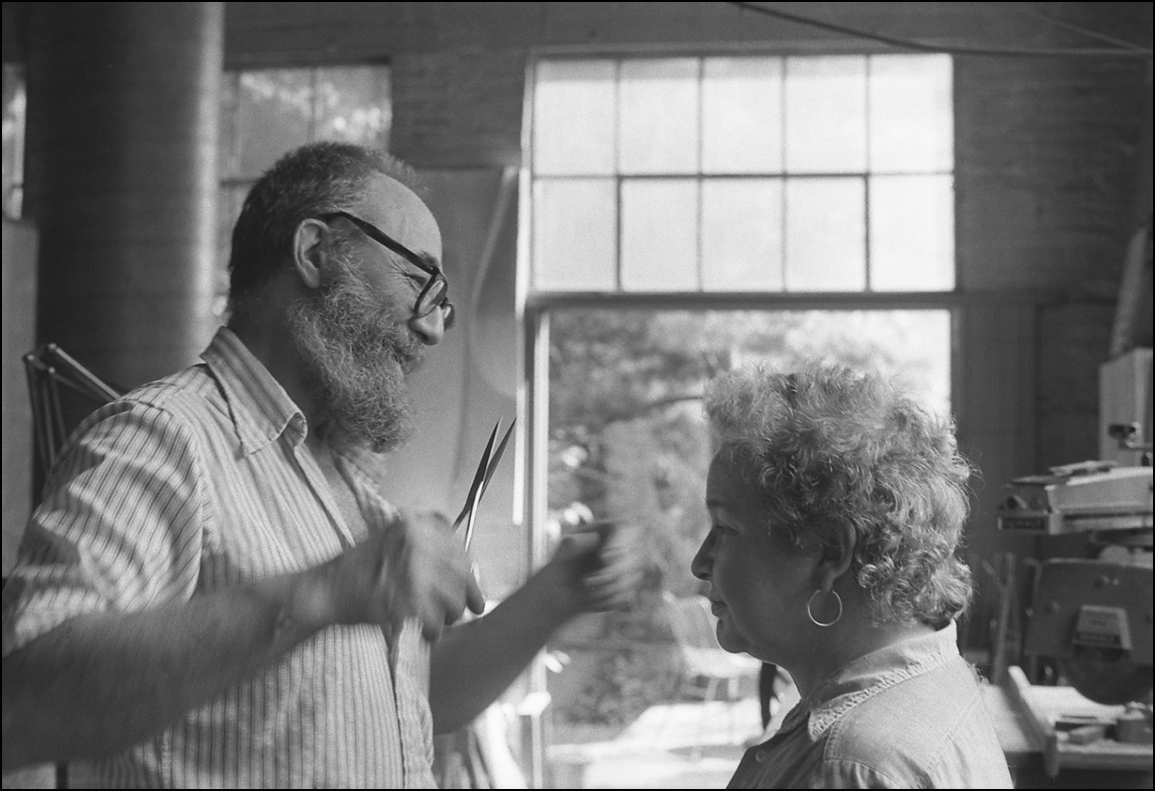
261, 409
871, 674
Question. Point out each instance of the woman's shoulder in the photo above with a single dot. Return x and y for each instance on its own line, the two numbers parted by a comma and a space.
928, 730
912, 717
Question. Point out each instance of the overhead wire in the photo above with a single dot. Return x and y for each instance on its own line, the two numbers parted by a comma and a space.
1124, 51
1083, 31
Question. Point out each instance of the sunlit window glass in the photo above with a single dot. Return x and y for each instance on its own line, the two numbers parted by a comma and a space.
658, 109
911, 114
742, 234
573, 118
833, 131
911, 233
826, 114
578, 233
742, 115
14, 110
660, 235
825, 235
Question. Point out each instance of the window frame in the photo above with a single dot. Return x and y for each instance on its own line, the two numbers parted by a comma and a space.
534, 306
700, 175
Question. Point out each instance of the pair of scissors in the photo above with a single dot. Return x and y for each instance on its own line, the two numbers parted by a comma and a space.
485, 469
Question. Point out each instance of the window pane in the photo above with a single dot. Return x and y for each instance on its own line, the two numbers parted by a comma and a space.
353, 104
826, 114
825, 235
14, 113
573, 117
229, 144
911, 233
574, 233
742, 234
660, 235
659, 116
742, 115
911, 117
275, 110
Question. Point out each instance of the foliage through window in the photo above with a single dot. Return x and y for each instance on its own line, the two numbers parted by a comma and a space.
628, 441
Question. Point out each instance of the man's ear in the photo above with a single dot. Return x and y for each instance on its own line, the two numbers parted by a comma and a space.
309, 241
839, 557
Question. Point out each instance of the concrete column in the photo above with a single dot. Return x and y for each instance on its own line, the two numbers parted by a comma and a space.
122, 180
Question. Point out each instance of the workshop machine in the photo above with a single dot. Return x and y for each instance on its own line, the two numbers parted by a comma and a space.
1092, 615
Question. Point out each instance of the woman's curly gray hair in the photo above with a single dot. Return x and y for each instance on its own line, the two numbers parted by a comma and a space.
832, 446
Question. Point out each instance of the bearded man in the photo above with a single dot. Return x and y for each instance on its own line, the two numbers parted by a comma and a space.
214, 591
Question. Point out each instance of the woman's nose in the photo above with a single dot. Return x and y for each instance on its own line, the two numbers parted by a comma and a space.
704, 559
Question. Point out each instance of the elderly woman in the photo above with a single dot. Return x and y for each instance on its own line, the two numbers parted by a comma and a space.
836, 506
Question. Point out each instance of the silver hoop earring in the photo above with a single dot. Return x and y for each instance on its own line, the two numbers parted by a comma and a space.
810, 613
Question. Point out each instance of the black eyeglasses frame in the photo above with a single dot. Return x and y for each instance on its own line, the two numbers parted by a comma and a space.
437, 280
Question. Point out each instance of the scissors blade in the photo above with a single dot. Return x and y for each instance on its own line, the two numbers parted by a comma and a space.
496, 457
471, 521
489, 470
478, 478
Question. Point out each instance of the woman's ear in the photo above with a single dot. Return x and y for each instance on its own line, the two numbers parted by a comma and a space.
308, 243
839, 557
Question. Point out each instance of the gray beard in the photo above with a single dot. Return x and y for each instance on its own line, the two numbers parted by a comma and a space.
356, 355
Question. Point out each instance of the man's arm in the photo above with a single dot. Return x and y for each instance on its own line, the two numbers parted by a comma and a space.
120, 529
101, 682
475, 662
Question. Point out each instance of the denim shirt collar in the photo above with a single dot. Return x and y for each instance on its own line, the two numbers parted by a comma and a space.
871, 674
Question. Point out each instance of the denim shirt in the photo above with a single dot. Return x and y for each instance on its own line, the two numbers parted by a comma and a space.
910, 715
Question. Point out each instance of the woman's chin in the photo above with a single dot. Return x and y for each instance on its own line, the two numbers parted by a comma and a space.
729, 640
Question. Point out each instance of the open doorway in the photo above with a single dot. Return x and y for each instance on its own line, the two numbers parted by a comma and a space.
627, 440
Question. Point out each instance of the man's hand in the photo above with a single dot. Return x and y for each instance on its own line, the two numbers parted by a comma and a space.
411, 568
600, 565
595, 567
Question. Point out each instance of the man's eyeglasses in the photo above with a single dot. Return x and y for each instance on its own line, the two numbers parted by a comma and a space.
435, 292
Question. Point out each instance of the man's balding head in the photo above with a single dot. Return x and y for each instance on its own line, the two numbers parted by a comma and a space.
310, 181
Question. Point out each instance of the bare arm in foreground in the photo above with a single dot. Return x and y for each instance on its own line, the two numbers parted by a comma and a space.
101, 682
475, 662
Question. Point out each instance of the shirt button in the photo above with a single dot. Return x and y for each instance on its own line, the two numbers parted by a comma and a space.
760, 756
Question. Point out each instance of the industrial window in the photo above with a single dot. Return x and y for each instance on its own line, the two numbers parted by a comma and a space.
686, 215
707, 174
267, 112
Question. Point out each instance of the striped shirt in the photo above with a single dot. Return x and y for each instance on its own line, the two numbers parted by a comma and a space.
193, 483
